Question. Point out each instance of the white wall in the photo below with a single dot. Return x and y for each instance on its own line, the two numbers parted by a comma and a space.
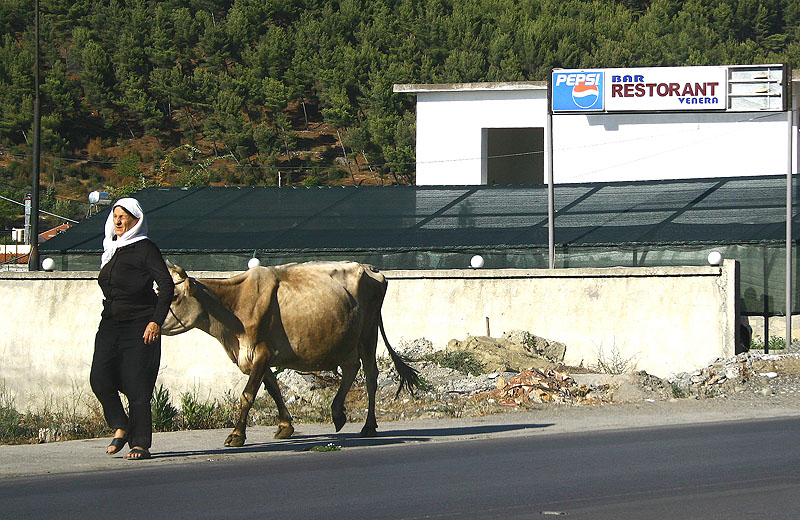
449, 128
634, 147
594, 148
666, 319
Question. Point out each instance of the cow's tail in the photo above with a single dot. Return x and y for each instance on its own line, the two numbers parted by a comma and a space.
409, 377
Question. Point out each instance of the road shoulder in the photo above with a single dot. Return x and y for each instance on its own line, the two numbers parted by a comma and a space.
205, 446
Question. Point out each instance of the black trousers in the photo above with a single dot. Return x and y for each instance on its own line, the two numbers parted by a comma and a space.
123, 363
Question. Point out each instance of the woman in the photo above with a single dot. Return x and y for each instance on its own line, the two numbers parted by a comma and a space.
127, 348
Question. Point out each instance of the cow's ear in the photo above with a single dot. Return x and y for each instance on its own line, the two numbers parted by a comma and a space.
190, 287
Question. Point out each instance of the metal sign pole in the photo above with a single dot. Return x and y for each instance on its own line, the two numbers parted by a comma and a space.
551, 234
789, 229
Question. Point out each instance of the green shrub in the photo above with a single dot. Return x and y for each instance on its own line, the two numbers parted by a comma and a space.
196, 415
164, 413
12, 425
312, 181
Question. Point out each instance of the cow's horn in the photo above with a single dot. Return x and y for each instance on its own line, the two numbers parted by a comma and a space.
179, 273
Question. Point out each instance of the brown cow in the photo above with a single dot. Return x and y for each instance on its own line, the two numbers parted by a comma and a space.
310, 316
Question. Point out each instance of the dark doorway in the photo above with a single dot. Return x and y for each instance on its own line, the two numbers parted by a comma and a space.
513, 155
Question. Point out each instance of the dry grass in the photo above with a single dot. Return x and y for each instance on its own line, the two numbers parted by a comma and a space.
80, 418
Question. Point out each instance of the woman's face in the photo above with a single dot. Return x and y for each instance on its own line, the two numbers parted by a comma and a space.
123, 221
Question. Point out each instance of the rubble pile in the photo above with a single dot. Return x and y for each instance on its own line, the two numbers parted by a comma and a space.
714, 380
746, 371
549, 386
521, 371
516, 351
416, 349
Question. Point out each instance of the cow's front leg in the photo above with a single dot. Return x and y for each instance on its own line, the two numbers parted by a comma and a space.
338, 413
238, 436
285, 428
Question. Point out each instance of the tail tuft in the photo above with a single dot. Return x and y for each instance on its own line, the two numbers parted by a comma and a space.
409, 377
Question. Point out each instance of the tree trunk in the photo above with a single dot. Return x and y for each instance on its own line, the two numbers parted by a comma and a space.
374, 175
346, 160
189, 118
305, 114
125, 120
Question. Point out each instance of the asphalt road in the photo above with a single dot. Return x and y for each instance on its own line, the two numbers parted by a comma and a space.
727, 470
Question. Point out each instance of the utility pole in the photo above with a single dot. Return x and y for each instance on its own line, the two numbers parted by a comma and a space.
33, 258
26, 236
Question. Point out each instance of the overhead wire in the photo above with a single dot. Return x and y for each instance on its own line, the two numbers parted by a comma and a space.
433, 161
41, 210
61, 197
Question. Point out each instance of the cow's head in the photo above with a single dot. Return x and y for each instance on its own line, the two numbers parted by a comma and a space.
185, 312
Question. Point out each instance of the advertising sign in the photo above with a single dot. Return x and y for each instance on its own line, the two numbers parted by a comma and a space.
667, 88
577, 91
640, 89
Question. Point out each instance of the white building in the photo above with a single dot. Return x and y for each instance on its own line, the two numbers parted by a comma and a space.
496, 133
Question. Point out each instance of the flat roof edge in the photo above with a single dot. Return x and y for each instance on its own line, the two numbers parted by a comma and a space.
416, 88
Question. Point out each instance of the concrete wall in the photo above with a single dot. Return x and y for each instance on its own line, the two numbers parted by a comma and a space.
667, 319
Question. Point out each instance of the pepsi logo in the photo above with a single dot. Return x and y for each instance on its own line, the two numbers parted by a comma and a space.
585, 96
577, 90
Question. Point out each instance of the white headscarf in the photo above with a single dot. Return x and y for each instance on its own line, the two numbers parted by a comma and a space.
136, 233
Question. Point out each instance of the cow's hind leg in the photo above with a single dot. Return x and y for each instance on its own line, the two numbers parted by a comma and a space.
285, 428
338, 412
367, 348
370, 365
238, 436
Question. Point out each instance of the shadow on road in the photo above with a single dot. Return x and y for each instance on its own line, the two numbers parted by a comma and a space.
300, 442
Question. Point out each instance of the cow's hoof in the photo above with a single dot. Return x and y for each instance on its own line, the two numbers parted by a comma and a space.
284, 431
338, 420
234, 441
369, 432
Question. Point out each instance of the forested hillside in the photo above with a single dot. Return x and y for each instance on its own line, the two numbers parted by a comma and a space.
256, 92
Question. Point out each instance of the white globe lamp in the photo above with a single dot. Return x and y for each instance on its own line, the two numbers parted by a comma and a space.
48, 264
476, 262
714, 258
253, 262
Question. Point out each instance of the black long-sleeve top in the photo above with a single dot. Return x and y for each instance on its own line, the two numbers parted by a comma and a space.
127, 284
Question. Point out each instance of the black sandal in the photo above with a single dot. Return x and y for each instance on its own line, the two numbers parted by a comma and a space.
142, 454
117, 443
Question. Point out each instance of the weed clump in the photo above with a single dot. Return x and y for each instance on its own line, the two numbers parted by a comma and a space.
774, 343
613, 362
459, 360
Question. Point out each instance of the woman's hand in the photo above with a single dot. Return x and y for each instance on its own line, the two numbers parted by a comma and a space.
151, 333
